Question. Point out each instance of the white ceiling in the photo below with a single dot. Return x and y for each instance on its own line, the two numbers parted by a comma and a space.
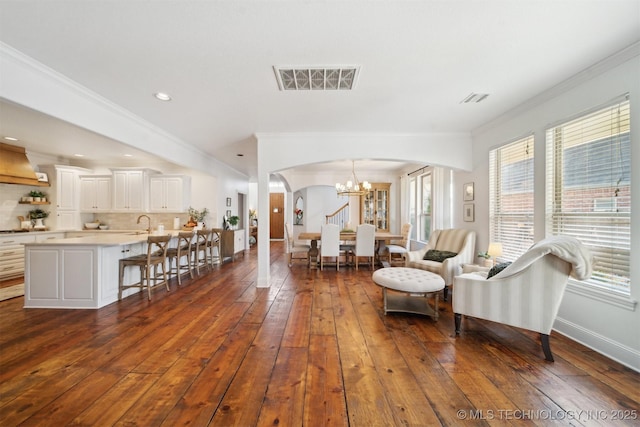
418, 60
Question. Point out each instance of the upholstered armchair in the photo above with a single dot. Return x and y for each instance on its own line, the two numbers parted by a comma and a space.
456, 243
527, 293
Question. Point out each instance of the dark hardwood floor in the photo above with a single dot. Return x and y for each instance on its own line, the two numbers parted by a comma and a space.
315, 349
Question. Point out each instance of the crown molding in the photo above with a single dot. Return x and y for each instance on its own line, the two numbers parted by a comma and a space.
576, 80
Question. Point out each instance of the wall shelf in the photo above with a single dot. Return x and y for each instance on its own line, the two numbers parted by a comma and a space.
35, 203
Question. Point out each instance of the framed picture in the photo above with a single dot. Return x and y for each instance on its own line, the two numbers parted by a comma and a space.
467, 191
228, 201
228, 214
469, 212
42, 177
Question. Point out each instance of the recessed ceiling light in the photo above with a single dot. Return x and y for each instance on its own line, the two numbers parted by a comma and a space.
128, 155
10, 138
79, 155
162, 96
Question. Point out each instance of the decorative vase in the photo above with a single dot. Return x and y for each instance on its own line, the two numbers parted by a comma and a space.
39, 223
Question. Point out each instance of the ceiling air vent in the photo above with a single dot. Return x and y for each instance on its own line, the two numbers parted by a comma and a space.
474, 98
317, 78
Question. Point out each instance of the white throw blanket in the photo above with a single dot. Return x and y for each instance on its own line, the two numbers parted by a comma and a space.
564, 247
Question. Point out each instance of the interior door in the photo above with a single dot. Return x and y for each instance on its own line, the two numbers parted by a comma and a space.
276, 215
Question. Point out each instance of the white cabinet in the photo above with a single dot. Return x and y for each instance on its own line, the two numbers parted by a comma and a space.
232, 243
64, 196
169, 193
130, 190
95, 193
12, 255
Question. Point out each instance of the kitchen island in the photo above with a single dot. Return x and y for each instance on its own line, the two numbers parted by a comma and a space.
80, 272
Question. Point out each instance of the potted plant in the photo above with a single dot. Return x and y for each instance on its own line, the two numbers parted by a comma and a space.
233, 220
37, 216
197, 216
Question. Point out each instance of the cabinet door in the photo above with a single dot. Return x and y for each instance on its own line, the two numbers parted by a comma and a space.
174, 194
238, 241
66, 189
68, 220
87, 194
382, 209
135, 187
157, 194
103, 194
374, 206
120, 194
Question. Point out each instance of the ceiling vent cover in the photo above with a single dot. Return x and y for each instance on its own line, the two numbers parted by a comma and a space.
317, 78
474, 98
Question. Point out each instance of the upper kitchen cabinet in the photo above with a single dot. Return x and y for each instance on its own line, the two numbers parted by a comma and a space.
169, 193
64, 196
95, 193
130, 190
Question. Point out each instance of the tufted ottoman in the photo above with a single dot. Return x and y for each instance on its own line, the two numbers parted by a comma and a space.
416, 285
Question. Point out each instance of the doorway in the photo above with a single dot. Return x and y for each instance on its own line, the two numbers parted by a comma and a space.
276, 215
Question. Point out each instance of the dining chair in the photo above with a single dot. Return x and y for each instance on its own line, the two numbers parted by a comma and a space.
199, 250
330, 244
176, 254
365, 244
214, 248
294, 247
396, 248
147, 263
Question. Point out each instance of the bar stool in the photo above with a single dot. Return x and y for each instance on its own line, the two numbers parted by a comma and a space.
199, 250
156, 256
214, 247
183, 249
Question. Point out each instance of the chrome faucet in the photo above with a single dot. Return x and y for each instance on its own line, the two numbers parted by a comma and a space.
145, 216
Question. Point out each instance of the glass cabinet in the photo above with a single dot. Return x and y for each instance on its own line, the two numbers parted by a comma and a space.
374, 206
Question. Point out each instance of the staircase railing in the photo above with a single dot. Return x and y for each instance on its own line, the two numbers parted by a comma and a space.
339, 217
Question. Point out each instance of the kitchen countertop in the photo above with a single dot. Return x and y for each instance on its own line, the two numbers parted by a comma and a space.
103, 238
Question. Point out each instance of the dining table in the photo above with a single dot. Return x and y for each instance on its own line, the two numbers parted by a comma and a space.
381, 238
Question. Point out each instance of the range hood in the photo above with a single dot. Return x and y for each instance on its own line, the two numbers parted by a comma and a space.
15, 167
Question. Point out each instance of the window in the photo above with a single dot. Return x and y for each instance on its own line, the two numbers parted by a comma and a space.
420, 206
588, 189
511, 197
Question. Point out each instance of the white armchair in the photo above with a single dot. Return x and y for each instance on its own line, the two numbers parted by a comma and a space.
527, 293
458, 241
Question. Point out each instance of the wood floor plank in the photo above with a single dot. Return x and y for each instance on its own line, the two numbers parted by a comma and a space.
284, 400
315, 348
325, 402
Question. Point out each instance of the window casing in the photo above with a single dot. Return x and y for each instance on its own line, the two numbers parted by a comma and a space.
511, 204
589, 189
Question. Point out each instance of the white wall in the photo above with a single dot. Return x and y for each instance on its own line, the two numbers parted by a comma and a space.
607, 324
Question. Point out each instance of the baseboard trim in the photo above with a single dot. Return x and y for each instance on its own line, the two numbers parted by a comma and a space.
627, 356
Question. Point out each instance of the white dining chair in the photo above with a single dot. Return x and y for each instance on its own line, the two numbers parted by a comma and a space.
330, 244
365, 244
294, 247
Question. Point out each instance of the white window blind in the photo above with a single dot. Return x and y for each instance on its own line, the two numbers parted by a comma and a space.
511, 197
588, 189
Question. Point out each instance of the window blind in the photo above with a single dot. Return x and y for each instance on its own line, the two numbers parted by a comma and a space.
511, 197
588, 189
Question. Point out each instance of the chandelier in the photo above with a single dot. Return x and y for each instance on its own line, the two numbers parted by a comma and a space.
353, 188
